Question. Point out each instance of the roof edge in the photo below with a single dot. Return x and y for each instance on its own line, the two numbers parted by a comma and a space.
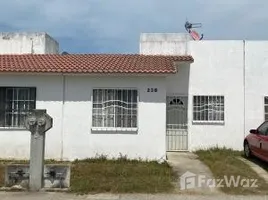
87, 74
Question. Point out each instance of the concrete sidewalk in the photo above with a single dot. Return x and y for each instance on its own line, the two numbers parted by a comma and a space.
257, 168
64, 196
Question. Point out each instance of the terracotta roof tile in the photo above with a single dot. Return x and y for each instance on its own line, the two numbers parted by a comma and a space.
90, 63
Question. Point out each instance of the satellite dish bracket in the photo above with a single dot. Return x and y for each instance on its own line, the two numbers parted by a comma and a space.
189, 28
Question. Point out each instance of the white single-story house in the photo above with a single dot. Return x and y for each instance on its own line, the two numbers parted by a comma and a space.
176, 95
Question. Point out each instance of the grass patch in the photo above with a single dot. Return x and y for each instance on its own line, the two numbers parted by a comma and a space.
223, 162
121, 175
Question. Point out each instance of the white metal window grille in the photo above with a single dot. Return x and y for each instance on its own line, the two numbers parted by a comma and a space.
208, 108
15, 104
266, 108
115, 108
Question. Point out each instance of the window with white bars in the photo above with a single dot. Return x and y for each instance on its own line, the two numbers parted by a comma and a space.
266, 108
15, 104
114, 108
208, 108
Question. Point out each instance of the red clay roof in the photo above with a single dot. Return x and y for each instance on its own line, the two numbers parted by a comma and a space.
90, 63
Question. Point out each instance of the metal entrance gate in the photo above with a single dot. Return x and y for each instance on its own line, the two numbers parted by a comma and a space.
177, 123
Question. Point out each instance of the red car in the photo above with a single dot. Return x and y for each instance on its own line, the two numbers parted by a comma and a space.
256, 143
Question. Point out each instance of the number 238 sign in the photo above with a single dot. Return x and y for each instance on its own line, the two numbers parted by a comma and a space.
152, 90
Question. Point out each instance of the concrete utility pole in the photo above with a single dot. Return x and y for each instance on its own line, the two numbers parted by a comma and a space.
37, 122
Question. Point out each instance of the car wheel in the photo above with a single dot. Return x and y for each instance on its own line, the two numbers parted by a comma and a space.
247, 151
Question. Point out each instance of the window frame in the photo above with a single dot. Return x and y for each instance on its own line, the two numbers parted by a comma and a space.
209, 121
115, 129
6, 127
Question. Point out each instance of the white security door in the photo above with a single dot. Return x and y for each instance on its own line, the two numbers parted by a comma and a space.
177, 123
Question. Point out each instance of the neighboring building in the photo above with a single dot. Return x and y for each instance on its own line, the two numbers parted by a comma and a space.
181, 96
27, 43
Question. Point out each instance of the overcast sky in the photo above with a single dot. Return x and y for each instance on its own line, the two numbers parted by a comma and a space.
114, 26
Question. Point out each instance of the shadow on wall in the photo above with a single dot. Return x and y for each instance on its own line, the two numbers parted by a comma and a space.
178, 84
80, 89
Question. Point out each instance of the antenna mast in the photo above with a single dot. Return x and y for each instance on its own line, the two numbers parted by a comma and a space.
190, 29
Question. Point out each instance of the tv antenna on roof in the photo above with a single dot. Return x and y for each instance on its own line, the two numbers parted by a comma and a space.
194, 34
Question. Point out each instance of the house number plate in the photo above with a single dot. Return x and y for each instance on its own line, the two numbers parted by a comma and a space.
152, 90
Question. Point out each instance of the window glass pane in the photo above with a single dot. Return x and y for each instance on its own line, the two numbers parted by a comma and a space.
97, 120
116, 107
125, 97
130, 95
23, 94
208, 108
95, 95
266, 117
32, 105
15, 103
2, 107
211, 105
21, 119
195, 110
10, 94
263, 129
134, 121
134, 96
266, 100
205, 108
9, 119
200, 106
119, 120
266, 108
33, 94
128, 121
118, 94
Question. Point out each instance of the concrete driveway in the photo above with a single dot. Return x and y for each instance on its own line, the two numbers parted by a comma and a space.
187, 166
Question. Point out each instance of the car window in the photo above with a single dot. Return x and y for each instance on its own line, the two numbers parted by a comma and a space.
263, 129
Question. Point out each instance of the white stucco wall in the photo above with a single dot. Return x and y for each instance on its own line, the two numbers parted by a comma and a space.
51, 45
148, 142
179, 83
16, 143
256, 70
71, 135
217, 70
27, 43
164, 43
